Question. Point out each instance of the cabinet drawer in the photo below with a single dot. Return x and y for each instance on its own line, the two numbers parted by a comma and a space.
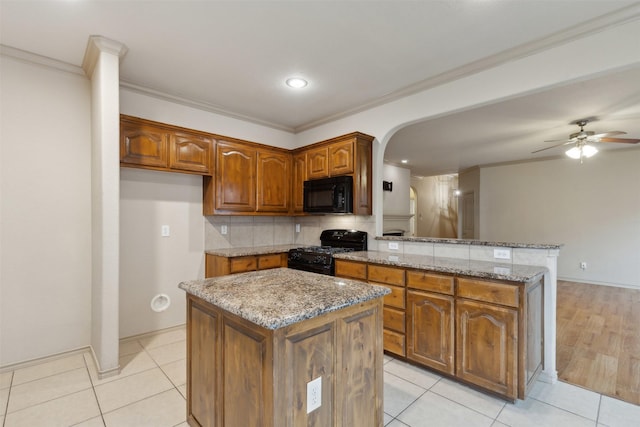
269, 261
394, 319
430, 282
481, 290
242, 264
393, 342
395, 298
389, 275
356, 270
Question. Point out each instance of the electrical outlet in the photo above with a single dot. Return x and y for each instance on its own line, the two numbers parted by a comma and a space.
583, 265
393, 245
502, 253
297, 228
223, 229
165, 231
314, 394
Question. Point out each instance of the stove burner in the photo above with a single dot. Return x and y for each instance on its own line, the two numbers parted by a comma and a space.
319, 259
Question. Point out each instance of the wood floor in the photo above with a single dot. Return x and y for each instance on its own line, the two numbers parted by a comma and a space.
598, 339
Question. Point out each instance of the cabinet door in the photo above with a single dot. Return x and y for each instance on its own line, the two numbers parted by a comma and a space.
341, 158
430, 336
486, 346
318, 163
235, 177
299, 177
274, 177
144, 145
190, 153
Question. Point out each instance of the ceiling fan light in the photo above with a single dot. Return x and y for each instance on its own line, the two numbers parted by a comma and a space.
589, 150
574, 153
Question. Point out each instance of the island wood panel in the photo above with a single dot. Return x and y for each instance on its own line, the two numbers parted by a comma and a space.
344, 347
532, 349
203, 366
431, 338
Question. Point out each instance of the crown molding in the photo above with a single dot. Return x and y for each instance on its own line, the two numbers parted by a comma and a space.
33, 58
97, 45
610, 20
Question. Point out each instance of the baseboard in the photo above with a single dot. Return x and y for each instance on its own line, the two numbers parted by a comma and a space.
44, 359
153, 333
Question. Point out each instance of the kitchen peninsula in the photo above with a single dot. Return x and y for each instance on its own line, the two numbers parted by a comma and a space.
266, 347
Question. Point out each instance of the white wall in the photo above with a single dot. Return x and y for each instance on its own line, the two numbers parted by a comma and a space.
151, 264
593, 209
45, 274
396, 202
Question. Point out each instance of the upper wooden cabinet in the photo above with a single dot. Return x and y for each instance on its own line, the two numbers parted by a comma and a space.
349, 154
273, 181
299, 176
249, 179
152, 145
235, 177
190, 152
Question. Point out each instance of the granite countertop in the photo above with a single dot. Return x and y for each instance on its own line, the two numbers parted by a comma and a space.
480, 269
470, 242
253, 250
280, 297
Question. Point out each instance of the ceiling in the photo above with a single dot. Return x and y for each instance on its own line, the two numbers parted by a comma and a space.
233, 58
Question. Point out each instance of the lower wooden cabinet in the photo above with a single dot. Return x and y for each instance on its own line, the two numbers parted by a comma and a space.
487, 333
221, 265
486, 350
431, 339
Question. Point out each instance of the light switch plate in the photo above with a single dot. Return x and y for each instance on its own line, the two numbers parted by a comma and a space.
165, 231
223, 229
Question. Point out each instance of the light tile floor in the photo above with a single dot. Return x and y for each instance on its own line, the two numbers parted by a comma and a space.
150, 391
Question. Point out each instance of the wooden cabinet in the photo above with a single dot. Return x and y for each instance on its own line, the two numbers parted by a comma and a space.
486, 346
216, 265
273, 181
241, 374
235, 177
298, 178
152, 145
249, 179
488, 333
188, 152
430, 320
345, 155
318, 162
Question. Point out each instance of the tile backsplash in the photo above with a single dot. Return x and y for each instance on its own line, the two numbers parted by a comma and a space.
249, 231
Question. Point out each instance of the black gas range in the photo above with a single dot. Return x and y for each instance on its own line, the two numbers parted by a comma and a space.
319, 259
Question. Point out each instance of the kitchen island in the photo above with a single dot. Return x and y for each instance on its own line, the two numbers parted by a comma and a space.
265, 348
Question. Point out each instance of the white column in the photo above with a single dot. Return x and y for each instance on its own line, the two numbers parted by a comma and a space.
549, 373
101, 63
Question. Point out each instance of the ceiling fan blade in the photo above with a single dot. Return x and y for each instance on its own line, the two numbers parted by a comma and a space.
606, 134
553, 146
623, 140
558, 140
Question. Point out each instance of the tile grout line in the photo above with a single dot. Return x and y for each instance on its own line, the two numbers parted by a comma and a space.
6, 406
93, 388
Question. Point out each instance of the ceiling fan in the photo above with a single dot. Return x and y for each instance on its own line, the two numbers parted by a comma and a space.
582, 139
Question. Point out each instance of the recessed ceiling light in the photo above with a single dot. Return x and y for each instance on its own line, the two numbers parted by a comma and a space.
404, 161
296, 82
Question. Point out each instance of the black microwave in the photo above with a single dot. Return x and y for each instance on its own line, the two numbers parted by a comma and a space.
329, 195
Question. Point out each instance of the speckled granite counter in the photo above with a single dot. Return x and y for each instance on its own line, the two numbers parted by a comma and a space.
280, 297
254, 250
481, 269
470, 242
